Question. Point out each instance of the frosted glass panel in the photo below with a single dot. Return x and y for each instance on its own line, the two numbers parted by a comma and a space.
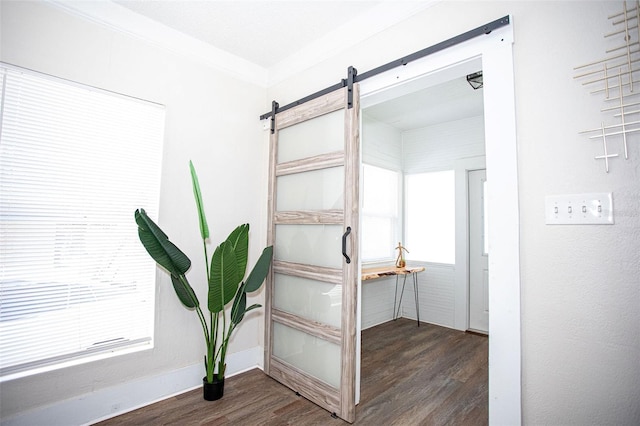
310, 299
314, 356
312, 137
328, 187
319, 245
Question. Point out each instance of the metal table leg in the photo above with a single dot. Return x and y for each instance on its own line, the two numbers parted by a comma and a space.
415, 293
396, 311
396, 308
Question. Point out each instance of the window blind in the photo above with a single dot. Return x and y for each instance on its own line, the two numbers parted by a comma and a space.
430, 230
75, 163
380, 216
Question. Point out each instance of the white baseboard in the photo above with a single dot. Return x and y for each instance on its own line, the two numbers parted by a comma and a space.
113, 401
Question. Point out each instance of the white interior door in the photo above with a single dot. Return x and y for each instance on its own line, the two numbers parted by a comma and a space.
478, 253
313, 225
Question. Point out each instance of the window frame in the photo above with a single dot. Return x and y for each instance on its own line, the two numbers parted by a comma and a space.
29, 91
396, 221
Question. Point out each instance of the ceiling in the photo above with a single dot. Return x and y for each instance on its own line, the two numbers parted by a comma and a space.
452, 100
262, 32
267, 33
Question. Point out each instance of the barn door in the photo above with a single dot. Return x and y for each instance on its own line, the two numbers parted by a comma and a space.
313, 226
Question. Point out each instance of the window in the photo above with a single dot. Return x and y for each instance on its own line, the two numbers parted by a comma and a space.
75, 163
379, 213
430, 217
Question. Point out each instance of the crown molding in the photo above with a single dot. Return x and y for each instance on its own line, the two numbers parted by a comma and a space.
121, 19
362, 27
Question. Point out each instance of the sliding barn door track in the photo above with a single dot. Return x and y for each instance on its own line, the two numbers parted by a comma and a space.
354, 77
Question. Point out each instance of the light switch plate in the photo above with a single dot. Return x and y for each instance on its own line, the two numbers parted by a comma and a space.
579, 209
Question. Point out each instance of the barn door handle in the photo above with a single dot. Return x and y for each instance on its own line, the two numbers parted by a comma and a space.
344, 244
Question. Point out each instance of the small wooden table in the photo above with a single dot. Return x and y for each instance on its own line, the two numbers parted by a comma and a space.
386, 271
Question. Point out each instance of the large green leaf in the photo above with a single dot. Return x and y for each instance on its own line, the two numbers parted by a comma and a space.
184, 291
204, 228
260, 270
223, 281
239, 306
157, 244
239, 240
242, 310
252, 307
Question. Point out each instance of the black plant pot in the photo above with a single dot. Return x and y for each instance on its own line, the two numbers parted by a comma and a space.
213, 391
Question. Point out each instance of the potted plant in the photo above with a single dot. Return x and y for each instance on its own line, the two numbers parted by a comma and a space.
224, 275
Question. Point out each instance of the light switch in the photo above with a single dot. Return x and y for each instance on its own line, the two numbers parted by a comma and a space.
579, 209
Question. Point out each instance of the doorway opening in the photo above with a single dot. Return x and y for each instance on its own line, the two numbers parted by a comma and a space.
417, 148
425, 142
494, 53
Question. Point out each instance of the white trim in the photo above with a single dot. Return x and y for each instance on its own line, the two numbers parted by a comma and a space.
495, 50
121, 19
461, 307
505, 371
113, 401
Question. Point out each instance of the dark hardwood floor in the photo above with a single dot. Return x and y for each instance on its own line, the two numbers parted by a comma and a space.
411, 375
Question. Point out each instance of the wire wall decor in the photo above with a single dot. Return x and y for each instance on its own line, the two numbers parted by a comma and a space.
613, 78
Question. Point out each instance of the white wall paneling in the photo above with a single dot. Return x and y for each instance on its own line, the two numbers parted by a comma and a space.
436, 295
382, 144
438, 147
377, 301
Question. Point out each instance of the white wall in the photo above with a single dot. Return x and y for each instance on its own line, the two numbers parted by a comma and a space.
580, 284
381, 144
210, 118
580, 296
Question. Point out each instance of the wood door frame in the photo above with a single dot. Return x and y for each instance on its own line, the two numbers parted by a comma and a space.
352, 270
